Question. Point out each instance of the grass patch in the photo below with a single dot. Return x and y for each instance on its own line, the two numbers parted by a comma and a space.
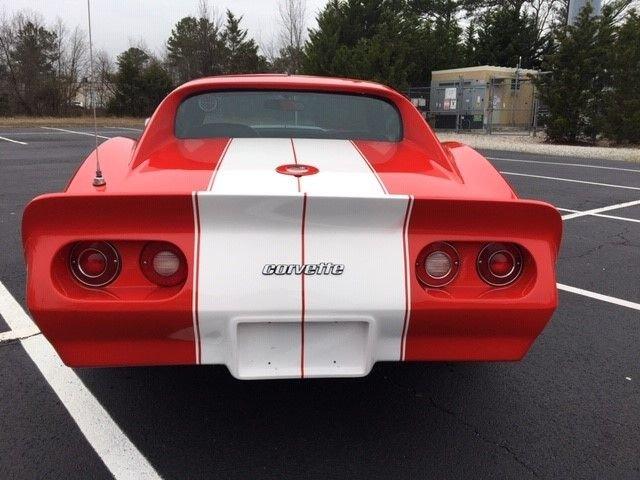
71, 121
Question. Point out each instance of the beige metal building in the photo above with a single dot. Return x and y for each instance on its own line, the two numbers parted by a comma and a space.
482, 97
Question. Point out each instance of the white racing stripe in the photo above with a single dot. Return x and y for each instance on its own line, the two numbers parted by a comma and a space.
251, 216
239, 235
366, 235
300, 325
351, 220
117, 452
248, 167
342, 169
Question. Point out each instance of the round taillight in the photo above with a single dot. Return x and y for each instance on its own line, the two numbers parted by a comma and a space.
437, 264
94, 264
499, 264
166, 263
163, 264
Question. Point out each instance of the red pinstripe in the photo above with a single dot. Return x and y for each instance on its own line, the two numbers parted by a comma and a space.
302, 312
196, 256
295, 159
407, 273
216, 169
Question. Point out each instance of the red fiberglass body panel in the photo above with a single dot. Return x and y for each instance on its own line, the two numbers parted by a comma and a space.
131, 321
165, 189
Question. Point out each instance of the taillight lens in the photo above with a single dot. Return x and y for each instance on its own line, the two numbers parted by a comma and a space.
437, 265
94, 264
163, 264
499, 264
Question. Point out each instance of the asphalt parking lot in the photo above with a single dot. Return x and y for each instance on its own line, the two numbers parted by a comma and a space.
570, 409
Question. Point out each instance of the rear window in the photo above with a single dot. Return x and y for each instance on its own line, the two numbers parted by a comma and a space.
243, 114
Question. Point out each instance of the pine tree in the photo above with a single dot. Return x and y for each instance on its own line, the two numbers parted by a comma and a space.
578, 77
369, 39
140, 84
241, 54
195, 49
506, 35
156, 84
32, 59
325, 40
470, 45
622, 101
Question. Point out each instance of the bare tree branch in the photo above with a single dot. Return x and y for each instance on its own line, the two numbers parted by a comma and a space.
292, 17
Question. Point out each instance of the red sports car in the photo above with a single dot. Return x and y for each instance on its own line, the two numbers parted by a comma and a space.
289, 226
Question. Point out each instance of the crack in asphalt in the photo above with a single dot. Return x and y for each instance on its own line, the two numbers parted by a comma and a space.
466, 424
585, 253
9, 341
622, 240
482, 437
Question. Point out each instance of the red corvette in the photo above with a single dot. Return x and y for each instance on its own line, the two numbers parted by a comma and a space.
289, 227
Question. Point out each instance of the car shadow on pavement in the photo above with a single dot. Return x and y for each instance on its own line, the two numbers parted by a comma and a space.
400, 421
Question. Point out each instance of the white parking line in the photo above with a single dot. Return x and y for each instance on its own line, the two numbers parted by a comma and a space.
32, 133
18, 334
599, 296
570, 180
103, 131
13, 141
612, 217
517, 160
73, 131
600, 210
119, 455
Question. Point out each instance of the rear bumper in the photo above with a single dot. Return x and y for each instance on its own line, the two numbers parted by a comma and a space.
288, 326
284, 347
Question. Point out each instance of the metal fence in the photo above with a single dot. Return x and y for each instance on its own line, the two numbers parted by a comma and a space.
501, 105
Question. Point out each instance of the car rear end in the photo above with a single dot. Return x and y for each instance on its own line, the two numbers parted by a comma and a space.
289, 228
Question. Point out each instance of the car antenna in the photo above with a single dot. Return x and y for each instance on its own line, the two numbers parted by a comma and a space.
98, 180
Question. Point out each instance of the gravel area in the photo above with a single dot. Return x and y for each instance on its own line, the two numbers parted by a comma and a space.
529, 144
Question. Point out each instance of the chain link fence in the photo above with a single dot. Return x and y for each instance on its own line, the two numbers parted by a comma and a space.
500, 105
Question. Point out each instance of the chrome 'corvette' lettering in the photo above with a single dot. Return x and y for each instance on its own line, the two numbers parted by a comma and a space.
323, 268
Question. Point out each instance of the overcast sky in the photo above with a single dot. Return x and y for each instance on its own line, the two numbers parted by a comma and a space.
117, 24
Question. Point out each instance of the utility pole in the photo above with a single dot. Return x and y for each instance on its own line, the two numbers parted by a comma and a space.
489, 107
514, 92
